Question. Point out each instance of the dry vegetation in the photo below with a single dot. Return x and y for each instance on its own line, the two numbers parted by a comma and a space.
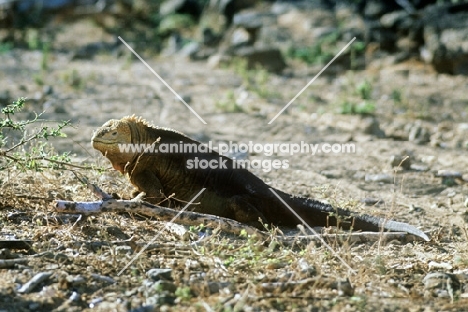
84, 259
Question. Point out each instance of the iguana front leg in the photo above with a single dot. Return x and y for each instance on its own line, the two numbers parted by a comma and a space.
148, 182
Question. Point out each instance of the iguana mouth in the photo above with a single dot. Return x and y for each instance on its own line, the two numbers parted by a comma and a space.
102, 141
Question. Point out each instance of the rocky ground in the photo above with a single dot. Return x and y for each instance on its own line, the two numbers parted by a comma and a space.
388, 111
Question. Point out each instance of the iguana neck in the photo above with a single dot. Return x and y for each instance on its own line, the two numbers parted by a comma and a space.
141, 134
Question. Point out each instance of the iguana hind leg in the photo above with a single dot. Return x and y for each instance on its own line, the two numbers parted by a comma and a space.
243, 211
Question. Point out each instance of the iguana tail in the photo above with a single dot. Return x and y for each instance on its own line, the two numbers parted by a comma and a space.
316, 213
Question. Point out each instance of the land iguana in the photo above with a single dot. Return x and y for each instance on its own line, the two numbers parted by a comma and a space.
140, 150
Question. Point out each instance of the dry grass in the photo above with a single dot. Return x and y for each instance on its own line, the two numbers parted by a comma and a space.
214, 271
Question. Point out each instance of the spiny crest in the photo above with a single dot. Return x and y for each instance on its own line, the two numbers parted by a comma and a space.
140, 121
137, 120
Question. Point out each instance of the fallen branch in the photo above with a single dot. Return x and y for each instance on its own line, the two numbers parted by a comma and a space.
162, 213
10, 263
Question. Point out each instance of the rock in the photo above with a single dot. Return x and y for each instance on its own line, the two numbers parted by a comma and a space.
419, 134
369, 201
440, 265
446, 38
305, 268
103, 278
165, 286
189, 50
378, 8
381, 177
248, 25
419, 167
47, 90
440, 284
230, 7
371, 125
269, 58
5, 98
209, 37
393, 19
159, 274
190, 7
449, 177
240, 37
78, 280
215, 287
123, 250
117, 232
400, 161
250, 20
332, 174
308, 24
449, 174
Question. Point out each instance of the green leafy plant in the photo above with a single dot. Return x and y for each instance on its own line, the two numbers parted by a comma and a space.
5, 47
362, 106
31, 151
255, 80
320, 52
184, 293
229, 104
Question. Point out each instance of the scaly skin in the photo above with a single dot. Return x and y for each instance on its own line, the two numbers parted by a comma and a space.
231, 193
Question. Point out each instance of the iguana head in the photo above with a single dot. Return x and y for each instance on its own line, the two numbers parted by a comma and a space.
108, 139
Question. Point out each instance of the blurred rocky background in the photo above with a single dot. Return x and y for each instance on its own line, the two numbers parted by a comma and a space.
262, 32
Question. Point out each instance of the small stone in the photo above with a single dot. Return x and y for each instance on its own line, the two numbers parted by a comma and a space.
419, 135
123, 250
34, 306
75, 297
248, 19
371, 125
95, 302
442, 265
381, 178
78, 280
47, 90
215, 287
159, 274
449, 177
186, 97
102, 278
345, 288
269, 58
449, 174
438, 281
306, 268
369, 201
400, 161
190, 49
332, 174
165, 286
419, 167
240, 36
